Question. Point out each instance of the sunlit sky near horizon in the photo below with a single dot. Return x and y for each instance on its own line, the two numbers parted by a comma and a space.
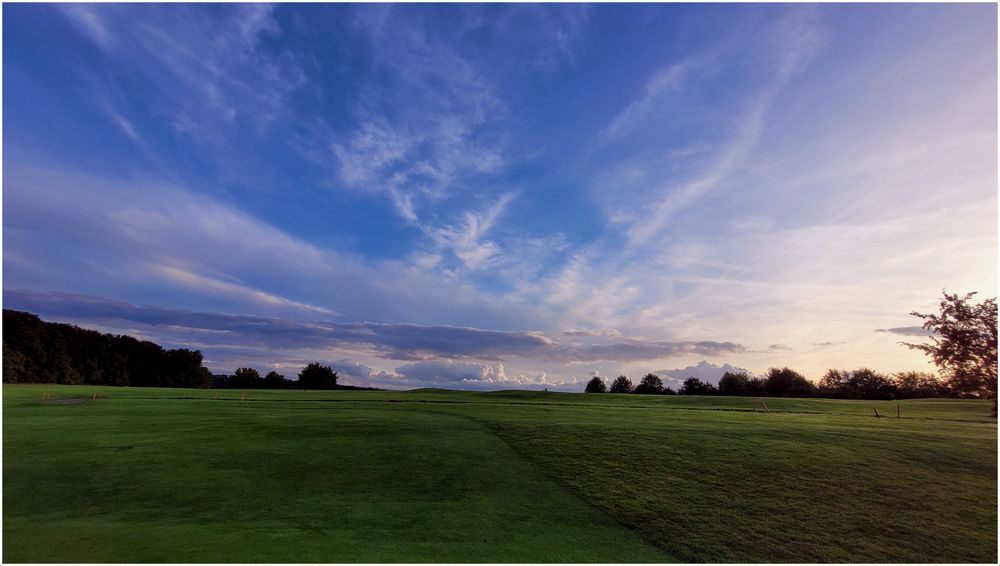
489, 196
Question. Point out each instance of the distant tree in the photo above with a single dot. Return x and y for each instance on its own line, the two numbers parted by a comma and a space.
669, 391
246, 378
316, 376
621, 384
734, 383
651, 384
785, 382
964, 344
596, 385
695, 386
918, 385
274, 380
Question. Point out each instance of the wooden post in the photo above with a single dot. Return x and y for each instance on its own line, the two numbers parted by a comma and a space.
243, 396
765, 406
878, 416
897, 410
754, 405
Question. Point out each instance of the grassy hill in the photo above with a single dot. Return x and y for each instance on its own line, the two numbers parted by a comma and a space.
184, 475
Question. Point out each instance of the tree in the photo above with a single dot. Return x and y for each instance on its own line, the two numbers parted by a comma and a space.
246, 378
785, 382
651, 384
316, 376
918, 385
734, 383
964, 344
669, 391
695, 386
621, 384
274, 380
596, 385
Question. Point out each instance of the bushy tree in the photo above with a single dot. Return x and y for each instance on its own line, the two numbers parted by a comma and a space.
316, 376
734, 383
669, 391
596, 385
964, 344
246, 378
785, 382
621, 384
918, 385
274, 380
695, 386
651, 384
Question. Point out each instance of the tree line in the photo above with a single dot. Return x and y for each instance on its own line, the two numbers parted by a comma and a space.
963, 345
862, 383
35, 351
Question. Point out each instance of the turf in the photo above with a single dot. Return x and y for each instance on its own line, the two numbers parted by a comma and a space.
141, 475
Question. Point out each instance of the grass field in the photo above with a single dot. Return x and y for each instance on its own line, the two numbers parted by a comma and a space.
175, 475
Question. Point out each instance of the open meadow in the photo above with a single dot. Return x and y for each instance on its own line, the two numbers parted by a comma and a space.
183, 475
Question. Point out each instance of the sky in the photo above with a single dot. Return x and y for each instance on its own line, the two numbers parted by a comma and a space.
502, 196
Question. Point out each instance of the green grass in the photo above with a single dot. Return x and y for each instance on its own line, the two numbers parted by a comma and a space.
173, 475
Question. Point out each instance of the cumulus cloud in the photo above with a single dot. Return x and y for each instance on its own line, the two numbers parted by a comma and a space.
704, 370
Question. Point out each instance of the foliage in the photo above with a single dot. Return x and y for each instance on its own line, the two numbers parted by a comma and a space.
695, 386
596, 385
274, 380
651, 384
734, 383
918, 385
35, 351
964, 344
785, 382
316, 376
621, 384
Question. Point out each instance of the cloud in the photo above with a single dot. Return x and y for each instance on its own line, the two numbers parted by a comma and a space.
397, 341
908, 331
704, 370
779, 347
661, 83
466, 240
208, 70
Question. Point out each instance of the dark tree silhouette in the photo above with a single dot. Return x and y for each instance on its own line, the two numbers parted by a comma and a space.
651, 384
621, 384
669, 391
316, 376
35, 351
695, 386
734, 383
964, 344
785, 382
918, 385
596, 385
274, 380
246, 378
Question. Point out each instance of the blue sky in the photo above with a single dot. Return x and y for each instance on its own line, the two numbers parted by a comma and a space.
492, 196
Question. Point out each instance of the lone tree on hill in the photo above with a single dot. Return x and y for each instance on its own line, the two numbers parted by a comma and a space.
964, 345
596, 385
621, 384
651, 384
315, 376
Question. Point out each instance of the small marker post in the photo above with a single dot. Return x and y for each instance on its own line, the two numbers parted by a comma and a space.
878, 416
